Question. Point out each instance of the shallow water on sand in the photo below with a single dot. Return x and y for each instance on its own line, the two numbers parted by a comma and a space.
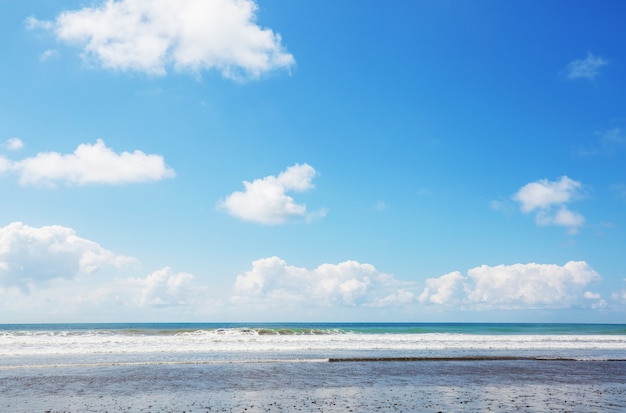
503, 385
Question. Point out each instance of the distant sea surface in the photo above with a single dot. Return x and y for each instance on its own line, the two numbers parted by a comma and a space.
55, 345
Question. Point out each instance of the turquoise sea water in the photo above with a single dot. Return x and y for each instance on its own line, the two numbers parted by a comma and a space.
328, 328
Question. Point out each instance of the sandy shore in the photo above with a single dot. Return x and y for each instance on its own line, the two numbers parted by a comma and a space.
543, 386
401, 399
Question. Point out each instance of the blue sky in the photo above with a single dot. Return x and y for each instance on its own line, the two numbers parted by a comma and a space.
221, 160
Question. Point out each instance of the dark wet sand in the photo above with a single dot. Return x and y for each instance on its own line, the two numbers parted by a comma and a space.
428, 386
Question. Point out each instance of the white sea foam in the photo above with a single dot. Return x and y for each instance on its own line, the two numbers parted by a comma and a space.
245, 341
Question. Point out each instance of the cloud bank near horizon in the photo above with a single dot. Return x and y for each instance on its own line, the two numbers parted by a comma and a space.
153, 36
50, 274
50, 271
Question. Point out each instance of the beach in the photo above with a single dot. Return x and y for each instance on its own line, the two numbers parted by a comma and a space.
386, 367
429, 386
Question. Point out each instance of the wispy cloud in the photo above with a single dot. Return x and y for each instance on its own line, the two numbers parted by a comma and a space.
619, 190
48, 54
608, 142
517, 286
265, 200
90, 164
549, 200
587, 68
620, 296
14, 144
157, 35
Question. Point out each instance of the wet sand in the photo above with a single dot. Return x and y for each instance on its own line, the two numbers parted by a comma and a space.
428, 386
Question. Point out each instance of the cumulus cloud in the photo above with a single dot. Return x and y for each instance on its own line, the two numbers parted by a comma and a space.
153, 36
549, 200
265, 200
162, 288
447, 289
563, 217
50, 273
271, 281
161, 295
29, 255
518, 286
587, 68
90, 164
544, 194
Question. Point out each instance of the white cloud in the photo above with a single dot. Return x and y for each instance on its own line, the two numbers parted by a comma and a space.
587, 68
446, 289
518, 286
161, 295
563, 217
162, 288
91, 164
549, 199
274, 283
152, 36
544, 194
265, 200
5, 164
29, 256
51, 274
14, 144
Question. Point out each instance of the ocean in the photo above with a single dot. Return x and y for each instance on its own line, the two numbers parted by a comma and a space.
228, 366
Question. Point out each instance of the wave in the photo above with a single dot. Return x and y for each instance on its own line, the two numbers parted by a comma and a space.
239, 331
252, 340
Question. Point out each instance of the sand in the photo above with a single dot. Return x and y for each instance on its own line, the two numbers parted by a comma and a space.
521, 386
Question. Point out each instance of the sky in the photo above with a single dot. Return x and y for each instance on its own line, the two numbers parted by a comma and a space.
247, 161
